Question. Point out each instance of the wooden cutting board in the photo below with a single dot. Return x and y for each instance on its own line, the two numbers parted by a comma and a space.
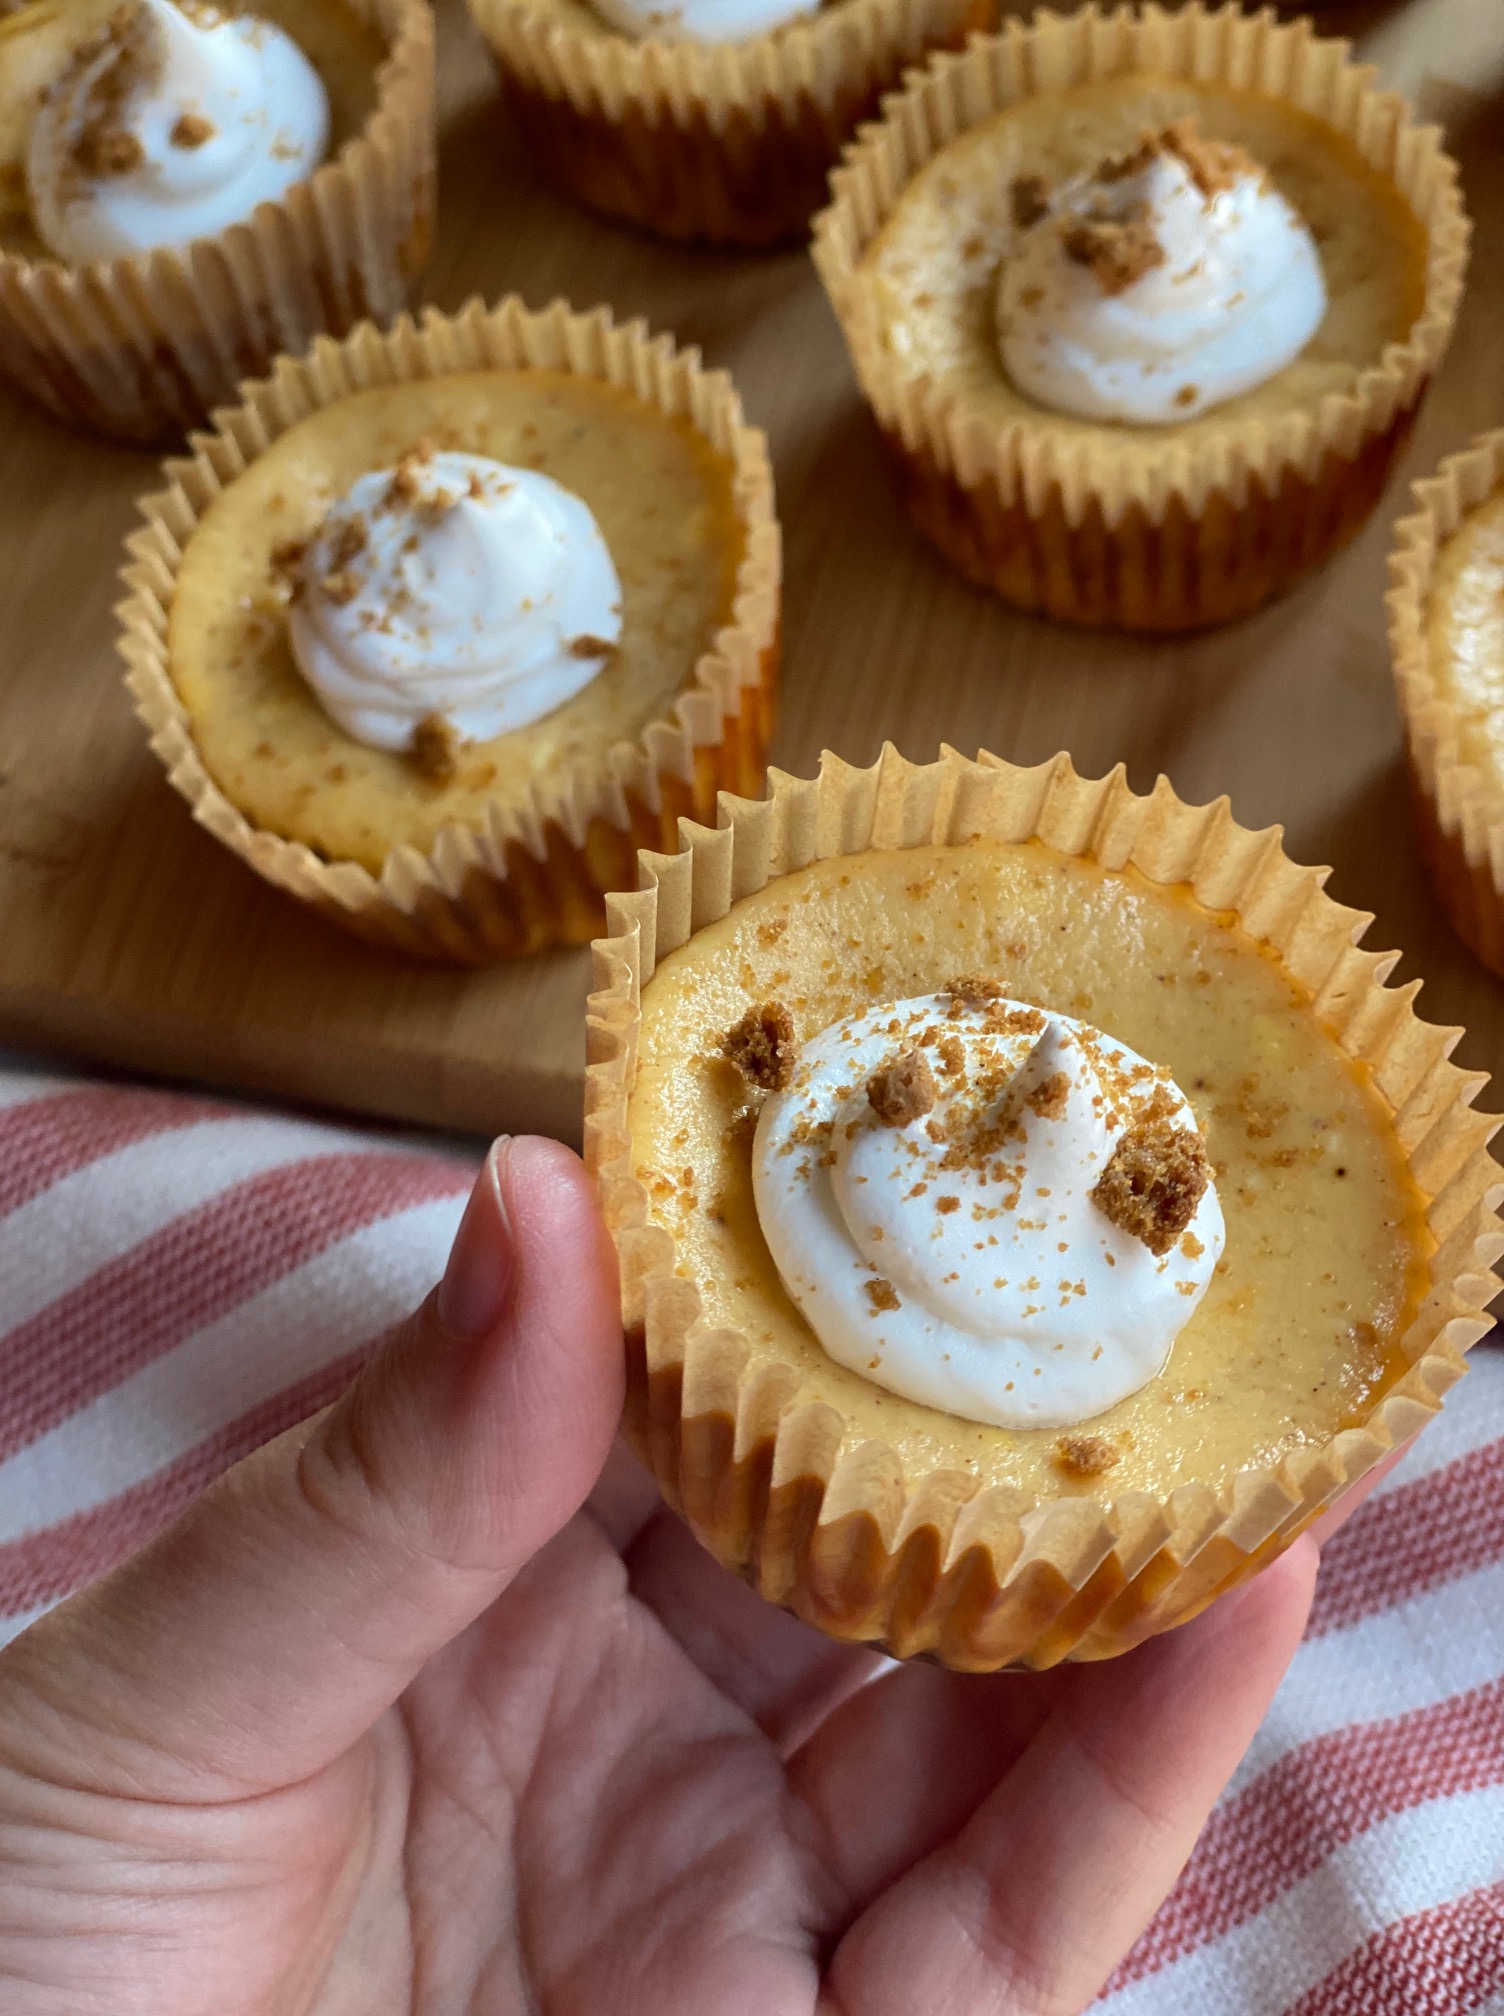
130, 937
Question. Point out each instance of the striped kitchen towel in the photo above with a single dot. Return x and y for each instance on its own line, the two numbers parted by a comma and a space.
181, 1279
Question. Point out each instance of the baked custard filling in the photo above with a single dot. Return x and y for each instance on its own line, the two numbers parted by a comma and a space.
1465, 635
827, 1075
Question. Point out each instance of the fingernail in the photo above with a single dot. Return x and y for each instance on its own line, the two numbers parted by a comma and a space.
477, 1282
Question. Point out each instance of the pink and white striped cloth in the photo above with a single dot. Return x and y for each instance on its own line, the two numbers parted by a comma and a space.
181, 1278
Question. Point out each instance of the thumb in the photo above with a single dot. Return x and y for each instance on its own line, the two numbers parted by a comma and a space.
256, 1639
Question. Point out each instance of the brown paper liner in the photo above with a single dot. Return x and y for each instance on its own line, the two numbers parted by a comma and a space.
143, 348
1194, 534
730, 144
537, 873
1460, 808
833, 1527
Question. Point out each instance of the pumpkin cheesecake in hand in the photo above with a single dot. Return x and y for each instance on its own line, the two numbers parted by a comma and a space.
1026, 1221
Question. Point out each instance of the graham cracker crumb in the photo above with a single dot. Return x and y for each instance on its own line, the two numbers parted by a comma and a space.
762, 1046
1119, 168
590, 647
191, 130
1048, 1098
1085, 1455
902, 1090
1029, 200
974, 990
1117, 251
1156, 1178
287, 560
435, 750
1187, 395
882, 1295
952, 1056
406, 483
349, 544
1213, 165
340, 586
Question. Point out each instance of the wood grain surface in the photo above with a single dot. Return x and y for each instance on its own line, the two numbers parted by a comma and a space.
130, 937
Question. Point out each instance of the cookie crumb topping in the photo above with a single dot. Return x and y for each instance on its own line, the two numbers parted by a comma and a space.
1151, 1188
1085, 1455
1116, 251
435, 750
882, 1295
763, 1047
975, 990
407, 482
1029, 200
903, 1090
192, 130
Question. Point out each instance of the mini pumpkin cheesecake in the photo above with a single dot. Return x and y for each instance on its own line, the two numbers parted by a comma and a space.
1022, 1237
1446, 637
1143, 328
715, 120
478, 621
185, 190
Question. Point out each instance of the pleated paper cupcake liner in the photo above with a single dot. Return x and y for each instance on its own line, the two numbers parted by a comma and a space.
1202, 529
537, 872
144, 348
728, 143
834, 1525
1460, 807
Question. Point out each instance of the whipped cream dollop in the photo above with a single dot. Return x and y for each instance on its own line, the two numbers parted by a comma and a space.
172, 124
1158, 286
455, 590
986, 1207
701, 20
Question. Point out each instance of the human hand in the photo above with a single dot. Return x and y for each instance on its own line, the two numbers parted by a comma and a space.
417, 1711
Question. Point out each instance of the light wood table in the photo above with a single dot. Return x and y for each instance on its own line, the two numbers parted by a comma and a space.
128, 936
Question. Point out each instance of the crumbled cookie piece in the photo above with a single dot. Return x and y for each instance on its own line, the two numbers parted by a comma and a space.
1187, 395
975, 990
1156, 1178
435, 749
192, 129
1029, 200
1116, 251
1049, 1096
1118, 168
349, 544
1085, 1455
762, 1046
407, 480
103, 152
882, 1295
287, 558
340, 586
590, 647
1213, 165
902, 1090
